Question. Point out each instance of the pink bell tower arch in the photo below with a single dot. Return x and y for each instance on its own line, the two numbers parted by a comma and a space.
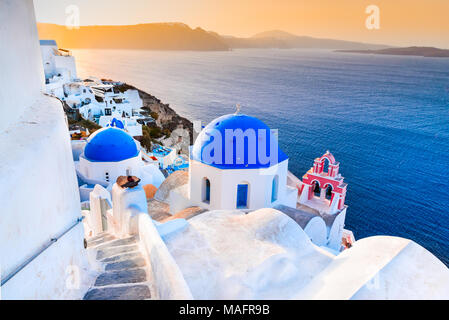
318, 176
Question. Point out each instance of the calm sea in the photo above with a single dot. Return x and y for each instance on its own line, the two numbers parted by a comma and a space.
385, 119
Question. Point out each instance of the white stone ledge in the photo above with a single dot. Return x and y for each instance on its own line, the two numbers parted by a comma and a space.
169, 281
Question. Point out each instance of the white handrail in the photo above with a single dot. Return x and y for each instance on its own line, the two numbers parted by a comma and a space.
39, 252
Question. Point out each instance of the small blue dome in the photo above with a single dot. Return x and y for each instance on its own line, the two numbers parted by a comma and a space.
253, 153
116, 123
110, 145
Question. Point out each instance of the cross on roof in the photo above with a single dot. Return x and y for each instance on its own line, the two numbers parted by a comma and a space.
237, 108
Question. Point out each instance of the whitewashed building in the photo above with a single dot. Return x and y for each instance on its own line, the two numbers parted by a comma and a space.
227, 168
129, 124
77, 93
100, 103
59, 67
57, 62
238, 179
109, 153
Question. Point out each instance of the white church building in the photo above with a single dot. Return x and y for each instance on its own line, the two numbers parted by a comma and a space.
236, 163
111, 152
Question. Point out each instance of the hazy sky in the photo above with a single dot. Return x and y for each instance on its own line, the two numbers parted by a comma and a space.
402, 22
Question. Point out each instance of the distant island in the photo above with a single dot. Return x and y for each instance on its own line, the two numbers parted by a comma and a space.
179, 36
408, 51
284, 40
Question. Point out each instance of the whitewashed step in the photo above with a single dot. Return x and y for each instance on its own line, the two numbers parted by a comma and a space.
124, 275
121, 257
135, 292
125, 264
113, 251
121, 277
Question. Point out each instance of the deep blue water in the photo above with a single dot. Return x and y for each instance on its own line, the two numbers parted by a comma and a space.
385, 119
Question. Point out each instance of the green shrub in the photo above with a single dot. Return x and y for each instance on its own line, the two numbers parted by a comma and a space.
154, 115
92, 126
146, 142
156, 132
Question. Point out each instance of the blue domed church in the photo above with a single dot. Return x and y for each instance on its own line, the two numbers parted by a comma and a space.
109, 153
236, 163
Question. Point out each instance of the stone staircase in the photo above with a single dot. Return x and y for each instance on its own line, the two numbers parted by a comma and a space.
125, 272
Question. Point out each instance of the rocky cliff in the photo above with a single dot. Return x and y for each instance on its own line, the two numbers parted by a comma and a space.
167, 118
177, 131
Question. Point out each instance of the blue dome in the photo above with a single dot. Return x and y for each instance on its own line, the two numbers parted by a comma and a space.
218, 146
116, 123
110, 145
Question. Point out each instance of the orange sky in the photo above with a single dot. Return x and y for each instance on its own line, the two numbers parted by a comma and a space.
402, 22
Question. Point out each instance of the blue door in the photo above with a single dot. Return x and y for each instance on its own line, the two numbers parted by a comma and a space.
242, 196
207, 195
274, 189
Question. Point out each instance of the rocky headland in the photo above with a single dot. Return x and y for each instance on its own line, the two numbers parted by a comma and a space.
408, 51
164, 127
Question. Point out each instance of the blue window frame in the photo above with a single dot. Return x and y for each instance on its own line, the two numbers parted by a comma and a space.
242, 196
207, 190
274, 189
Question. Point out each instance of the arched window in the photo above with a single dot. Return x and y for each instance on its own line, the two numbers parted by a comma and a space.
329, 192
316, 188
242, 195
274, 188
326, 163
206, 190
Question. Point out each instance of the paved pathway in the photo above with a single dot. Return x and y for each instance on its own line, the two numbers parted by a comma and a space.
124, 276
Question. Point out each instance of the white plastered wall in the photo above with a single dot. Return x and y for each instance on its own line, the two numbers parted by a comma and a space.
39, 190
223, 190
40, 199
316, 230
48, 60
20, 60
66, 64
97, 170
336, 231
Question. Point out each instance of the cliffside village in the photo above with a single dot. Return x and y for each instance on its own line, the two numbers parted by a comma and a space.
93, 103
